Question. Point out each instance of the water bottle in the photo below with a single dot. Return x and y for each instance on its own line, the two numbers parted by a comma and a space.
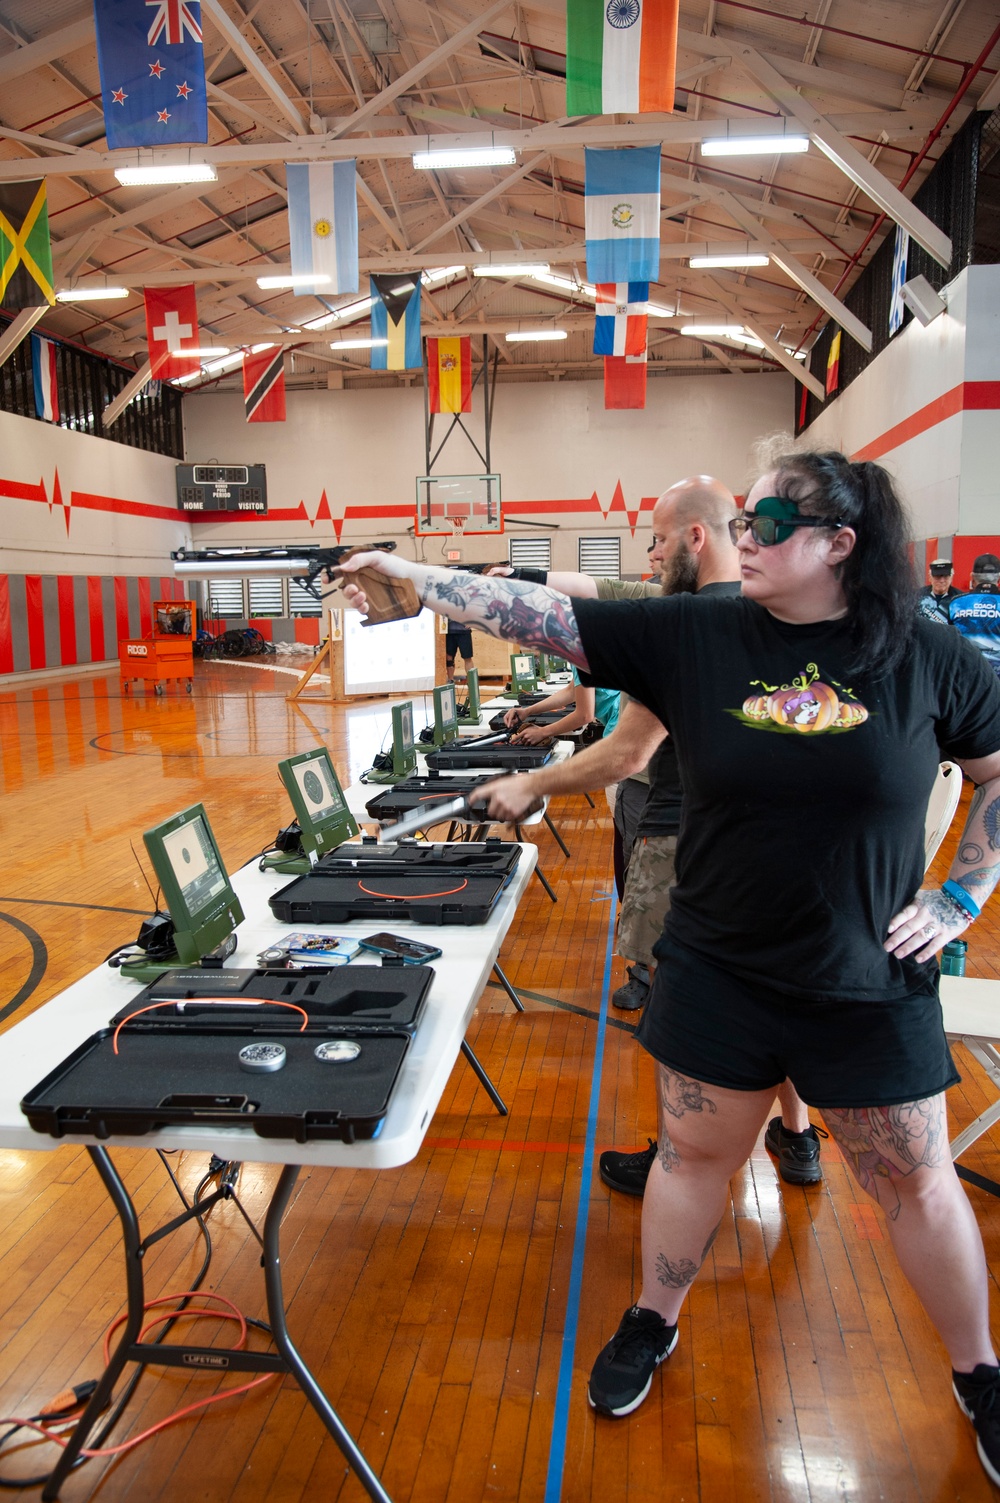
953, 958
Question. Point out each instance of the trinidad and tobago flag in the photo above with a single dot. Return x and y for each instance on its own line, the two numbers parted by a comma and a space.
264, 385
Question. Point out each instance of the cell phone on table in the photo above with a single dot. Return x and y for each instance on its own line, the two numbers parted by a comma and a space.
410, 951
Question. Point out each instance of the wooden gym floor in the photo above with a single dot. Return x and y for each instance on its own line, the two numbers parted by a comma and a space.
438, 1303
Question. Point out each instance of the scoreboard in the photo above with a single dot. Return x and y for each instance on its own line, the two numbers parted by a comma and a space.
222, 487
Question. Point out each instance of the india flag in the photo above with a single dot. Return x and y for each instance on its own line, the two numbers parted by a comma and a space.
620, 56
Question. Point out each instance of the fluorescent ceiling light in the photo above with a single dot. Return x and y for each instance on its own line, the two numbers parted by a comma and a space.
297, 279
225, 364
179, 172
746, 258
658, 312
509, 269
749, 146
351, 310
700, 331
485, 156
255, 349
202, 352
183, 380
565, 284
321, 323
89, 294
441, 274
536, 334
357, 344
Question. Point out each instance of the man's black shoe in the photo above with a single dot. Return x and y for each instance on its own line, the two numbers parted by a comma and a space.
634, 994
797, 1152
978, 1395
627, 1172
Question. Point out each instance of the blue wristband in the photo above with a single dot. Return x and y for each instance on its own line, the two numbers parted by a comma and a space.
958, 895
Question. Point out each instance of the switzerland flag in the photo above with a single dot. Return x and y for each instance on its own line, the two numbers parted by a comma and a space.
171, 328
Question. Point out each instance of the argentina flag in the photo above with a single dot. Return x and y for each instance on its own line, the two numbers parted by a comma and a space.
622, 214
152, 68
323, 224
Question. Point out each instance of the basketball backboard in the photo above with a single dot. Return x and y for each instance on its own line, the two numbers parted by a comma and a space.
466, 504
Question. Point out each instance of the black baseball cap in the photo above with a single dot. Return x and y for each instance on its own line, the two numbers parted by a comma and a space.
942, 566
986, 564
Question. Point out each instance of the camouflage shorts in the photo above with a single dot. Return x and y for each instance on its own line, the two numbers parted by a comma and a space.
647, 896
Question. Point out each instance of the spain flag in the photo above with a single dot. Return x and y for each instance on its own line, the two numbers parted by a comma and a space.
833, 365
449, 374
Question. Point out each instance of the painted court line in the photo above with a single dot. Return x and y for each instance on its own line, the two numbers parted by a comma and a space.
560, 1418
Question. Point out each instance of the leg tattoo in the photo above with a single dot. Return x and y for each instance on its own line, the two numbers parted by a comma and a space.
679, 1094
675, 1275
886, 1143
666, 1152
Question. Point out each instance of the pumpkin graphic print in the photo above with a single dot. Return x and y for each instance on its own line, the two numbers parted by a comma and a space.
805, 707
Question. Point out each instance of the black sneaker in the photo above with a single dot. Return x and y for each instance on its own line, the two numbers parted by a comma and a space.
635, 992
797, 1152
978, 1395
623, 1372
627, 1171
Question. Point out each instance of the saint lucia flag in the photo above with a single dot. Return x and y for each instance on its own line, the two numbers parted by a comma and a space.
396, 323
43, 375
620, 56
323, 224
622, 214
620, 325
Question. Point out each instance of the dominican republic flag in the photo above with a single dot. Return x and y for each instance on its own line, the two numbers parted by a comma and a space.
622, 214
620, 325
396, 323
833, 365
620, 56
43, 374
900, 255
449, 374
624, 381
171, 328
264, 385
323, 223
152, 67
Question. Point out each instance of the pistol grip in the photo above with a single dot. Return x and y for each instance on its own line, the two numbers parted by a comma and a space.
388, 599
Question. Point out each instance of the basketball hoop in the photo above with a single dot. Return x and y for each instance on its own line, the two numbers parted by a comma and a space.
459, 525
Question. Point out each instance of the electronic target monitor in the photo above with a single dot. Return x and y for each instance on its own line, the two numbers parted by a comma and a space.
318, 801
222, 487
472, 696
203, 908
445, 714
523, 673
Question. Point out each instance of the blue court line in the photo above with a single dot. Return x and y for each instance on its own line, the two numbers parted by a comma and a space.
560, 1418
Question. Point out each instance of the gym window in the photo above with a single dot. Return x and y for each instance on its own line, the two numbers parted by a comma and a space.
601, 557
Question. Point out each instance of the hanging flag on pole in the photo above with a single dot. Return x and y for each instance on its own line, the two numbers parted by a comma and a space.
43, 375
396, 323
622, 214
264, 385
25, 251
323, 223
621, 56
152, 66
449, 374
171, 327
900, 255
833, 365
620, 325
624, 381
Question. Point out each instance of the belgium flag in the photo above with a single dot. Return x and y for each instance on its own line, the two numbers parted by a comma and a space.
25, 252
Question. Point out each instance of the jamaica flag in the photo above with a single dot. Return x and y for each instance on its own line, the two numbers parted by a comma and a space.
25, 252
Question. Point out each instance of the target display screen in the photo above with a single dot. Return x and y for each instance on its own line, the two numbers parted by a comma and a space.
316, 783
318, 800
194, 864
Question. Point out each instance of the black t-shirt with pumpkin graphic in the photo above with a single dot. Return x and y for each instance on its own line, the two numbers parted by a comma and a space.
805, 790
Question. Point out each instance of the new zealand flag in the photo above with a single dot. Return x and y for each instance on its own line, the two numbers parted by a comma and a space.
152, 72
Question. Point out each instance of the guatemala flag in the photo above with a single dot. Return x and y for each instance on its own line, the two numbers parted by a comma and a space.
152, 68
622, 214
620, 325
323, 224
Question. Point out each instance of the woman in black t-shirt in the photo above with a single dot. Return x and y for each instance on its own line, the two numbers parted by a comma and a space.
809, 716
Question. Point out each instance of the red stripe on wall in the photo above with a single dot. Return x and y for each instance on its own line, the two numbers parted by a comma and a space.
95, 605
6, 640
87, 502
67, 620
121, 608
13, 490
36, 620
971, 396
145, 607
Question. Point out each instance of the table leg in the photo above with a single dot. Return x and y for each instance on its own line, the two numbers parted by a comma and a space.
512, 994
484, 1079
559, 840
538, 870
283, 1341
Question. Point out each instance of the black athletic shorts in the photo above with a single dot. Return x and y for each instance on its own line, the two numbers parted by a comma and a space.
459, 641
720, 1028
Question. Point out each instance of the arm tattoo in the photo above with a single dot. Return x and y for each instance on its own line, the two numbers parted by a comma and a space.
678, 1094
991, 820
971, 852
531, 615
983, 876
675, 1275
943, 909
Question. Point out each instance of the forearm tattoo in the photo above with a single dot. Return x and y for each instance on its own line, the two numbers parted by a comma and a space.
887, 1143
678, 1094
531, 615
980, 839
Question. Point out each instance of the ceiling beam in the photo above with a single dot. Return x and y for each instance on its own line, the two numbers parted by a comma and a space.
47, 48
19, 329
241, 48
128, 393
774, 349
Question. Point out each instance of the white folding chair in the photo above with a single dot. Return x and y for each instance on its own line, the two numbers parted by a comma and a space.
941, 808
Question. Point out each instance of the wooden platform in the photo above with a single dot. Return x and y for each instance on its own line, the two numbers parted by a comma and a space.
451, 1308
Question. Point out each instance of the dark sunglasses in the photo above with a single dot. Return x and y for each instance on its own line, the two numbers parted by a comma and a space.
773, 520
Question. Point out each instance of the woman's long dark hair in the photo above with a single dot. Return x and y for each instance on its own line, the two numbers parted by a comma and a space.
876, 576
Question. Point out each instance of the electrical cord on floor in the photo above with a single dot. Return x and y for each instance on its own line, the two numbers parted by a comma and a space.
62, 1410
